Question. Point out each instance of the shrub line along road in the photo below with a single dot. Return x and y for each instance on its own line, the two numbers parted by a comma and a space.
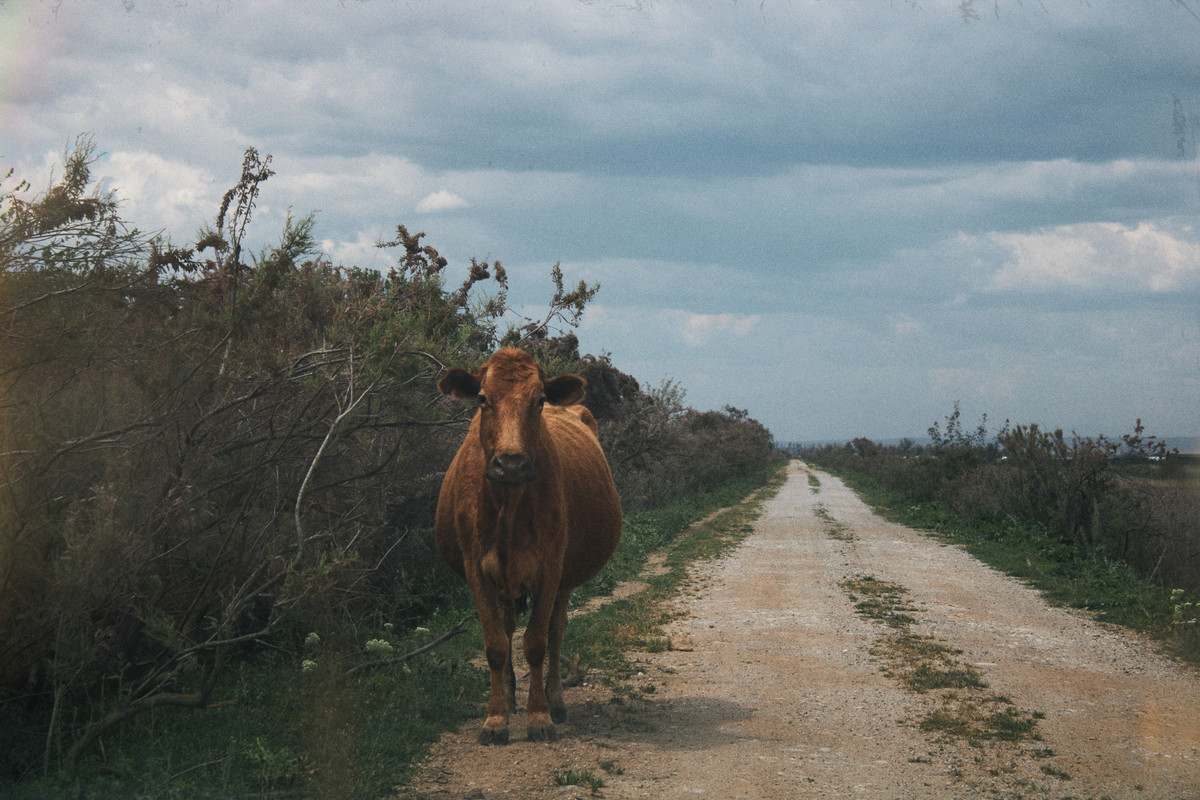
779, 688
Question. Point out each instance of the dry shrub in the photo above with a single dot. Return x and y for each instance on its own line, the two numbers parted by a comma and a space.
199, 447
1165, 530
203, 450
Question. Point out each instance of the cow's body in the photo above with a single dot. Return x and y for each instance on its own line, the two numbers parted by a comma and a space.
528, 506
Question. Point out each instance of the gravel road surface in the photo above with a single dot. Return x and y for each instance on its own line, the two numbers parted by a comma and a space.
777, 687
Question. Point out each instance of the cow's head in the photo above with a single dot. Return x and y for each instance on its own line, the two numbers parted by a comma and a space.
511, 390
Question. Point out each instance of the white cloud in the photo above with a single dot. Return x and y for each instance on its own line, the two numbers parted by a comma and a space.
1098, 255
904, 325
365, 178
441, 200
361, 252
700, 329
160, 193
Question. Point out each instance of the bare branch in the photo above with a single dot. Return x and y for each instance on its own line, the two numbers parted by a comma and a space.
352, 404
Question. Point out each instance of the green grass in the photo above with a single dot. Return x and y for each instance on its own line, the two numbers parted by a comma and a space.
879, 600
980, 721
585, 777
277, 728
924, 665
833, 528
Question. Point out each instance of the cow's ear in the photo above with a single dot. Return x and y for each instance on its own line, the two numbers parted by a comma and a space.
459, 383
565, 390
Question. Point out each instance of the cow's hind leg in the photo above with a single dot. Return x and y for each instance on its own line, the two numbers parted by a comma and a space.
558, 627
510, 625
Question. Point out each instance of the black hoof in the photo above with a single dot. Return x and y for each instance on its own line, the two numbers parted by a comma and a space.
490, 737
559, 714
548, 734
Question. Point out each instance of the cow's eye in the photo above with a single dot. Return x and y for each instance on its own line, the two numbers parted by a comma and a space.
482, 399
541, 403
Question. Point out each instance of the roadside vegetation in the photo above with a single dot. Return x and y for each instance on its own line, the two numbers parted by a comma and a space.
218, 470
1110, 526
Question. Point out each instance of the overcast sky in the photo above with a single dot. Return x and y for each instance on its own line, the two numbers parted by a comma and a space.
840, 215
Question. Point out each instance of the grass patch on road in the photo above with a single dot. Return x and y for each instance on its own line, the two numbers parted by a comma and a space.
924, 665
879, 600
978, 720
571, 777
921, 663
932, 665
833, 528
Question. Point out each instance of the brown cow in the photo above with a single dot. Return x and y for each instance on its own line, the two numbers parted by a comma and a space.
528, 506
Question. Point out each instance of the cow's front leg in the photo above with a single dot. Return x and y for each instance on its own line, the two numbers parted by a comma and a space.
495, 618
541, 726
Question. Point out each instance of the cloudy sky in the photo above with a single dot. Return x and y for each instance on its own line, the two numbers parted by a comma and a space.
840, 215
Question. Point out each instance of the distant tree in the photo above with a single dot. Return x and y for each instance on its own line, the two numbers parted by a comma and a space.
956, 437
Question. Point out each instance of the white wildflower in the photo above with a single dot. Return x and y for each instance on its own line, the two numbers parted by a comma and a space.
379, 647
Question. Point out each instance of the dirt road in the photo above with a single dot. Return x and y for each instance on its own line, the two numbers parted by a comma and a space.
789, 691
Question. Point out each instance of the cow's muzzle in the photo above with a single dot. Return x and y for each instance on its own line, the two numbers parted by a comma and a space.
510, 468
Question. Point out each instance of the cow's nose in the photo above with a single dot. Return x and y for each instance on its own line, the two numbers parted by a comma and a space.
510, 468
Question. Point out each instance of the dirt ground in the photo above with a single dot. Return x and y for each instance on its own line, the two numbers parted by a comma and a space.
770, 690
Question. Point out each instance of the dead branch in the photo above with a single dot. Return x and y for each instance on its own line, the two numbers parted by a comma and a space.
351, 404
